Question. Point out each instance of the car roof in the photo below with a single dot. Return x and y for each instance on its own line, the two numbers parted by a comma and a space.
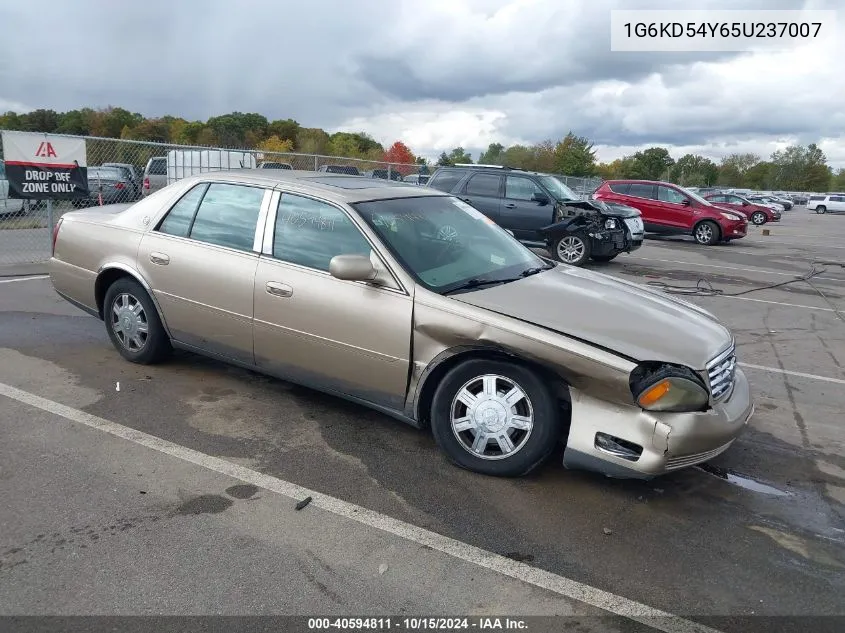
341, 188
641, 182
494, 169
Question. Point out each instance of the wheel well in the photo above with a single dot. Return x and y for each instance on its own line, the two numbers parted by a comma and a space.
104, 280
557, 385
700, 222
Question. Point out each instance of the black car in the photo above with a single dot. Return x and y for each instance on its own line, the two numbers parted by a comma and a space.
540, 210
349, 170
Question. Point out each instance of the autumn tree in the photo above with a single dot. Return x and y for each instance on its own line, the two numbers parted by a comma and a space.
274, 144
575, 156
401, 158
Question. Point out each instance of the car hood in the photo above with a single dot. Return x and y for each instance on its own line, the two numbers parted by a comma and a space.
628, 318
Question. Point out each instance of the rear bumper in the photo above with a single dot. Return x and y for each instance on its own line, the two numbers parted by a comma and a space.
669, 441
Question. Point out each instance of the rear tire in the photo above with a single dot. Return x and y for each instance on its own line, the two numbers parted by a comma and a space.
133, 324
572, 248
821, 209
707, 233
495, 418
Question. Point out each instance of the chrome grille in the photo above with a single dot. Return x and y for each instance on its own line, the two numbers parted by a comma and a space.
721, 372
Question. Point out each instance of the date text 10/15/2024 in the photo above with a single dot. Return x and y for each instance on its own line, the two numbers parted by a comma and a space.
417, 624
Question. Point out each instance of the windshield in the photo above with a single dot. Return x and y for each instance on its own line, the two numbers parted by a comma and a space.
559, 190
444, 242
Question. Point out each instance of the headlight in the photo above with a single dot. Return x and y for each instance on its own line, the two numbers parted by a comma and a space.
670, 388
731, 216
610, 224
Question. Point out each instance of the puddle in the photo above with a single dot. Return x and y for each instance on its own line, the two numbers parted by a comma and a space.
742, 481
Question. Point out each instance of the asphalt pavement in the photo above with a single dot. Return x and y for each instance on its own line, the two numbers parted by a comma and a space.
760, 533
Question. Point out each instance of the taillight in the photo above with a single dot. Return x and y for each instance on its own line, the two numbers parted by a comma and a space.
146, 183
118, 185
55, 236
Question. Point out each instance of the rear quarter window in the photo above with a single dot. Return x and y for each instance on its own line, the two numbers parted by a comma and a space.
620, 187
158, 168
446, 180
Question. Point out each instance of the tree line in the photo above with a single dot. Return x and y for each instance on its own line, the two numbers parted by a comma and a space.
796, 168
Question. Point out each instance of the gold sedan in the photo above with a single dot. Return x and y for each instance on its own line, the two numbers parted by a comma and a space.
411, 302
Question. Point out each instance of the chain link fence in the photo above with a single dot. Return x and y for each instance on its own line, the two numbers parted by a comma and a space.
122, 170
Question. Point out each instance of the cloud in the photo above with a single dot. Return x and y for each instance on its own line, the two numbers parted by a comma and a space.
438, 74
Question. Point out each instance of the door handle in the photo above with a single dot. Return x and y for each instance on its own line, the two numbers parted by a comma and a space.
278, 289
510, 205
161, 259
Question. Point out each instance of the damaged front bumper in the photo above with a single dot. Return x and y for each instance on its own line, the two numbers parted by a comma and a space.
628, 442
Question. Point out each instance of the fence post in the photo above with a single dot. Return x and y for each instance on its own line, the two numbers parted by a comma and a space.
316, 162
50, 217
389, 173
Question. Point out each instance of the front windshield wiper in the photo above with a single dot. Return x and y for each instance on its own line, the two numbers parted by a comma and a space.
477, 283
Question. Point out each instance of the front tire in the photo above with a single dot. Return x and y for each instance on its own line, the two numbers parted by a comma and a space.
758, 218
495, 418
707, 233
572, 249
133, 324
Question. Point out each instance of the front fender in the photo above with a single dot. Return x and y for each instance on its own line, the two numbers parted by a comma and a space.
565, 226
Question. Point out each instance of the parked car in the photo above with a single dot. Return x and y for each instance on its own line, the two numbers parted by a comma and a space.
827, 203
274, 165
129, 169
155, 175
668, 209
757, 213
384, 174
111, 184
783, 200
411, 302
9, 205
540, 210
767, 201
417, 179
800, 199
349, 170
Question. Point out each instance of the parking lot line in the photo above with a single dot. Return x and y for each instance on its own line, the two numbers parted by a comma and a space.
777, 370
747, 270
779, 303
8, 281
540, 578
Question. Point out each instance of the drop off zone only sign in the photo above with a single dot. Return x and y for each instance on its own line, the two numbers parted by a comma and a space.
44, 166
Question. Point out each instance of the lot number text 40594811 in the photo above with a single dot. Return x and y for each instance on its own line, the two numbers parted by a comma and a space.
417, 624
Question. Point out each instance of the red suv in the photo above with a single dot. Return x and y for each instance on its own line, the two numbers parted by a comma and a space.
671, 210
757, 213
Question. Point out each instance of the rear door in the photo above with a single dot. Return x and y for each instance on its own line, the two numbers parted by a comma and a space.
200, 262
519, 213
484, 191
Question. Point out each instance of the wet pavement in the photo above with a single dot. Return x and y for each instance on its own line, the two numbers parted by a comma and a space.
759, 531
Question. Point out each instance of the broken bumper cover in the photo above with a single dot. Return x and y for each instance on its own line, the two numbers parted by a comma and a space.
627, 442
612, 242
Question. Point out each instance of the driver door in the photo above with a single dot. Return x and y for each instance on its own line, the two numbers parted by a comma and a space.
675, 207
344, 336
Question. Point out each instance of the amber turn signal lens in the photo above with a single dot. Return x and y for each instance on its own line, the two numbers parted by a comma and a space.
654, 394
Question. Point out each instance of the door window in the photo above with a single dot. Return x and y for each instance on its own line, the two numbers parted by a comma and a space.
446, 180
667, 194
179, 218
520, 188
483, 185
310, 232
228, 215
641, 190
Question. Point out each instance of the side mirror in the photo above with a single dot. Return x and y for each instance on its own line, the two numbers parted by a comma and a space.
352, 268
686, 202
541, 198
744, 203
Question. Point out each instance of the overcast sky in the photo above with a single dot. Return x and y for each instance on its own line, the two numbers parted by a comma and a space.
434, 73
